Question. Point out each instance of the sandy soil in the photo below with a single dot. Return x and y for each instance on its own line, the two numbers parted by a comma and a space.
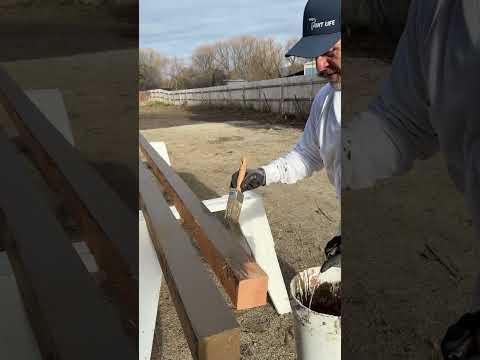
205, 152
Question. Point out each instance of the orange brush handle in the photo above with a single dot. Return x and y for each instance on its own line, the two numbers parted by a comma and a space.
241, 173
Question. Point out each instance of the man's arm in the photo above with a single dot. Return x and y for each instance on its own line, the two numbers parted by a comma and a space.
305, 158
385, 140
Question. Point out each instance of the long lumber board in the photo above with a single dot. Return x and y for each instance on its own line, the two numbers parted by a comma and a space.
68, 313
210, 328
111, 228
244, 281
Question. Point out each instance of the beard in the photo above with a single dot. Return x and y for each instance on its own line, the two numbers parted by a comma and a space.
337, 85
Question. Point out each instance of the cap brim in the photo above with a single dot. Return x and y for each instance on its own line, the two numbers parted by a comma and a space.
314, 45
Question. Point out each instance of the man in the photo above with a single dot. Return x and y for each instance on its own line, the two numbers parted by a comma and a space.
430, 102
320, 145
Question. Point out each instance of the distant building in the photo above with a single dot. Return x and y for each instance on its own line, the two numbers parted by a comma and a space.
309, 68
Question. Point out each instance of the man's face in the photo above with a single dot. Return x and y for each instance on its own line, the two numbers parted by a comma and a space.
329, 64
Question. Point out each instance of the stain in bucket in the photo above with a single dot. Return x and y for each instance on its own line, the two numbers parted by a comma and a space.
326, 299
322, 298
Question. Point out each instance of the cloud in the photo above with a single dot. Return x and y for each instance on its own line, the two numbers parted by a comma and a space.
178, 27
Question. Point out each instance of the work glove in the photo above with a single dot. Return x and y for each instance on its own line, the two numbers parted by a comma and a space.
462, 340
254, 178
333, 254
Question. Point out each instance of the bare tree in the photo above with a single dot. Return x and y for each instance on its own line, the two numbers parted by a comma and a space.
267, 60
255, 58
152, 69
223, 56
203, 64
242, 49
246, 57
206, 69
176, 73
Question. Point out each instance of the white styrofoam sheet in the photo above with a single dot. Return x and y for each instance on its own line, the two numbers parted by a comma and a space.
16, 335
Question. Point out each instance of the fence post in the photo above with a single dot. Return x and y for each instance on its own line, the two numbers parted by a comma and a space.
259, 100
243, 96
281, 98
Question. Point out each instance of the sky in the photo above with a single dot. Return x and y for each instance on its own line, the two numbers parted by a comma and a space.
177, 27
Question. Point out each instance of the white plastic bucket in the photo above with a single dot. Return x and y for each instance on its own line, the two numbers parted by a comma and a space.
317, 335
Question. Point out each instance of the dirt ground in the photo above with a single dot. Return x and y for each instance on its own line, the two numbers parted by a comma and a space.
205, 150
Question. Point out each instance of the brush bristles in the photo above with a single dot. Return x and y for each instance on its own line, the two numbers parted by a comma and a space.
234, 206
233, 210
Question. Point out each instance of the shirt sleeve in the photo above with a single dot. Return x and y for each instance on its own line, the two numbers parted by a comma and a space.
305, 158
395, 130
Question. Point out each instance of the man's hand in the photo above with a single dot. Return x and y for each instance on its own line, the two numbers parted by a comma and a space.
333, 254
253, 179
461, 342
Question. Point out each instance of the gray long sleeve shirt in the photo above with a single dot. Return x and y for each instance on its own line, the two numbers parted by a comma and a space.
430, 102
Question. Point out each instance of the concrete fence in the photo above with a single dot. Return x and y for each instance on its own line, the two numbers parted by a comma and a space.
285, 95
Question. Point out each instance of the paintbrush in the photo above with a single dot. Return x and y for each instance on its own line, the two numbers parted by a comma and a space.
234, 208
235, 196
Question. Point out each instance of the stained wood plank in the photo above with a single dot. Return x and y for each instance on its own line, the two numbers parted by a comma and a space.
110, 228
68, 313
244, 281
209, 326
256, 230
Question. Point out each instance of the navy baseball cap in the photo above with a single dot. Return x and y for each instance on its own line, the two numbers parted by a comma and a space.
321, 28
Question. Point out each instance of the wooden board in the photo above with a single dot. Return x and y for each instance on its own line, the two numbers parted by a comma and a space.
110, 228
68, 313
256, 230
209, 326
244, 281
